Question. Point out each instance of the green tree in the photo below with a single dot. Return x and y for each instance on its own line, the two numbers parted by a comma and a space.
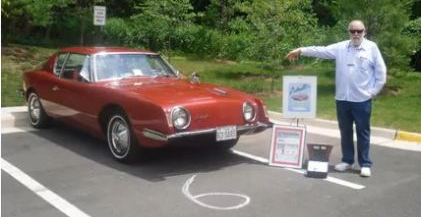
22, 16
413, 29
158, 20
384, 20
219, 13
278, 26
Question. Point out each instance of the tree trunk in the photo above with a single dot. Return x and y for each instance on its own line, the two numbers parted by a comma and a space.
48, 33
82, 32
27, 27
272, 82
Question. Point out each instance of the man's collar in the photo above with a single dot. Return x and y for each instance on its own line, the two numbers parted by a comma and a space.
360, 47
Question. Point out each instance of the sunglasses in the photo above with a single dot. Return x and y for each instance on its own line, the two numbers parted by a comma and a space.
359, 31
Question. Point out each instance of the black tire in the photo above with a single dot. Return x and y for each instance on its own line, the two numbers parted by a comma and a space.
121, 141
36, 113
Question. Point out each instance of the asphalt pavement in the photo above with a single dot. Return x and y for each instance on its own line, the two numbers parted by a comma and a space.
61, 171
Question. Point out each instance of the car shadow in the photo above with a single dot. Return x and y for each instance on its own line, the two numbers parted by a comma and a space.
155, 165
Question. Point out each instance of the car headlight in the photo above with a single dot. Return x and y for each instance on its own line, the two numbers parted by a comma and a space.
180, 118
249, 112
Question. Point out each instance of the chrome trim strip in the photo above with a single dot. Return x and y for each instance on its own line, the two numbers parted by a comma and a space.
152, 134
191, 133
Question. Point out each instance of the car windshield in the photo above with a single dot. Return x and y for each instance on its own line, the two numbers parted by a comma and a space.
120, 66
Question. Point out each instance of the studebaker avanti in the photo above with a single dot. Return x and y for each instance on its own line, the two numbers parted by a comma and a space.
135, 99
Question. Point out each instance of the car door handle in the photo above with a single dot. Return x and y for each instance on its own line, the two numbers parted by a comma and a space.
55, 88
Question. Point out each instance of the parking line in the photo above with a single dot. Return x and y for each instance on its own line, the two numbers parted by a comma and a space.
36, 187
328, 179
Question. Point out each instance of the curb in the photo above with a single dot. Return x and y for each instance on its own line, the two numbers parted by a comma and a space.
408, 136
381, 132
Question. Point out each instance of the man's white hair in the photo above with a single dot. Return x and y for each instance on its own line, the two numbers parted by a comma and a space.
356, 22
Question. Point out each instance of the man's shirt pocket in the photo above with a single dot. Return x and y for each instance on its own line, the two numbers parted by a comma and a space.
365, 64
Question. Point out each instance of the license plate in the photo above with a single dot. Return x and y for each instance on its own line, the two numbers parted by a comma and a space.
226, 133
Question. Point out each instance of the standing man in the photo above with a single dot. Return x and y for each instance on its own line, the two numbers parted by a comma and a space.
360, 75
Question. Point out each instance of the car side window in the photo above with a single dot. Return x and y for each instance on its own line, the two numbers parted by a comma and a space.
59, 63
85, 72
74, 66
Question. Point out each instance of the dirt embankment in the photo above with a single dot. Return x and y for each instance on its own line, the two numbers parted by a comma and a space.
18, 58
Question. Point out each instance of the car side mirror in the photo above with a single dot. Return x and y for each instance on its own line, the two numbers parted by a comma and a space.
195, 78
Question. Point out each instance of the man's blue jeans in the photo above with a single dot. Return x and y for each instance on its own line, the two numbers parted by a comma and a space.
358, 113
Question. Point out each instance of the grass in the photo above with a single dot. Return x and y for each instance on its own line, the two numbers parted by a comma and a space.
398, 107
15, 60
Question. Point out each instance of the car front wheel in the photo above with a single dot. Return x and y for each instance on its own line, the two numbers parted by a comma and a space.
121, 141
36, 112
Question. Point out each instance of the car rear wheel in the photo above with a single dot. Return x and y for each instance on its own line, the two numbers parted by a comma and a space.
121, 141
36, 112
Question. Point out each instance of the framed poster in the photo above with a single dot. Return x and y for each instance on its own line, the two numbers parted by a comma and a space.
299, 96
287, 146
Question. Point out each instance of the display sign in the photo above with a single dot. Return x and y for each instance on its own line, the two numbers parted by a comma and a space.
100, 15
299, 96
287, 146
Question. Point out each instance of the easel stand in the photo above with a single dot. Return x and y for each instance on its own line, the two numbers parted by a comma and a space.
296, 123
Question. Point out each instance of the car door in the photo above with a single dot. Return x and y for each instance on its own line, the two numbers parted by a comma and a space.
77, 104
48, 88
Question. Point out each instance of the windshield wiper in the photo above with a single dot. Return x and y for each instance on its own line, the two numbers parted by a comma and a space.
134, 76
166, 75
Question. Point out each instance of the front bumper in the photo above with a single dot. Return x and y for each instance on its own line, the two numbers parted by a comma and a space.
241, 129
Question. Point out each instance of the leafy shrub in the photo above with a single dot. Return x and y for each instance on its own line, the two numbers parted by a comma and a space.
413, 28
117, 30
235, 46
251, 87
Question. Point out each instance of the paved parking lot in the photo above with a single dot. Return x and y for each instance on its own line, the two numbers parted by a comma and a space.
76, 171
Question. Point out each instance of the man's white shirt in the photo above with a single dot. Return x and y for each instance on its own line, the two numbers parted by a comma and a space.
360, 71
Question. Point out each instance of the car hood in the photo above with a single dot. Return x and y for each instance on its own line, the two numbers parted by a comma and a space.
170, 91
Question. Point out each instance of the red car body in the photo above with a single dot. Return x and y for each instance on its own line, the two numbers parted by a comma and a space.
299, 97
76, 94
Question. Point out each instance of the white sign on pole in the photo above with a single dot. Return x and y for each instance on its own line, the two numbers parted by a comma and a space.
99, 15
299, 96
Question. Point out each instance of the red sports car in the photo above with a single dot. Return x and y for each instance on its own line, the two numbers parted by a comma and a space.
134, 99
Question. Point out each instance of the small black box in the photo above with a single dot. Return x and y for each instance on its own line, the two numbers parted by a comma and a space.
318, 164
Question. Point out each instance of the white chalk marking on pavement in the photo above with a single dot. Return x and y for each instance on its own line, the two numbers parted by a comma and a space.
49, 196
196, 200
329, 179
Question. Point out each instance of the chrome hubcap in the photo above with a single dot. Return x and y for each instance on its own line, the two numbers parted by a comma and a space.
34, 109
120, 136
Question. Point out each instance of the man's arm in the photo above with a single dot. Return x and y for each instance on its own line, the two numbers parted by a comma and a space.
324, 52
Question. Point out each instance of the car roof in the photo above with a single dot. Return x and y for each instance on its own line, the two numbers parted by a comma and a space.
94, 50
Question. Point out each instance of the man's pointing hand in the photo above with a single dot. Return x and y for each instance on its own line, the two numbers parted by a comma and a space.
293, 55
